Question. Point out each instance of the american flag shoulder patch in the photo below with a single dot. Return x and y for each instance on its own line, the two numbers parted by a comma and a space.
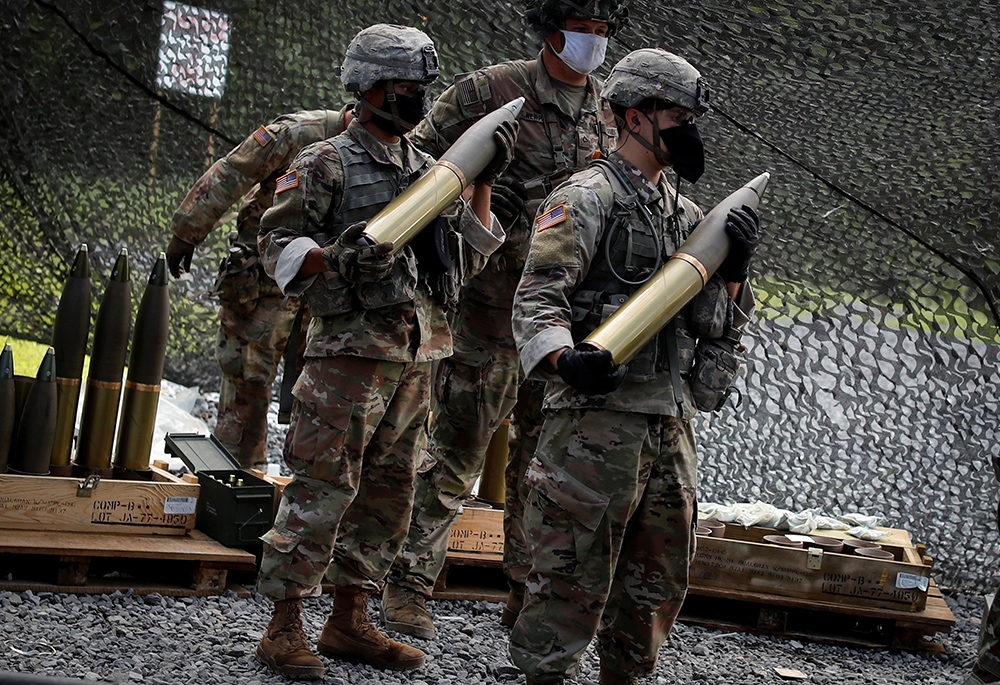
287, 182
554, 216
262, 136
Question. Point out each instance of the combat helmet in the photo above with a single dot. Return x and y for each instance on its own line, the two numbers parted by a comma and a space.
655, 74
387, 52
549, 16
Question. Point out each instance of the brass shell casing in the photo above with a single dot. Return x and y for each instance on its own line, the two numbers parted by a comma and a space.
69, 338
36, 429
403, 218
67, 399
637, 321
422, 202
100, 412
135, 434
492, 484
8, 405
663, 296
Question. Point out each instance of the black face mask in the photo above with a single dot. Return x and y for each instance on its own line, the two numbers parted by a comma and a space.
408, 111
687, 153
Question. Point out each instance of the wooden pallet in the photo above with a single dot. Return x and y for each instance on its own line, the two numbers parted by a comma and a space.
470, 576
819, 621
95, 563
480, 577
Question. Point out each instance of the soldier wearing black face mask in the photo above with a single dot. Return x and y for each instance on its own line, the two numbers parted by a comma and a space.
611, 485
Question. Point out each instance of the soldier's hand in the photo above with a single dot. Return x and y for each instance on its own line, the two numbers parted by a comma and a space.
507, 200
743, 229
591, 371
505, 137
179, 253
357, 260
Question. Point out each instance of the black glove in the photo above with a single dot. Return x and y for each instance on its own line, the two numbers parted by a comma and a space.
590, 371
507, 200
505, 137
357, 260
179, 253
742, 227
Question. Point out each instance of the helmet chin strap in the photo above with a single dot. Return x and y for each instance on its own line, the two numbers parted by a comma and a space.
664, 159
393, 113
658, 152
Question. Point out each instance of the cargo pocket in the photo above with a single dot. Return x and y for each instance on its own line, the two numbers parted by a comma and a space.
571, 518
317, 443
535, 639
281, 540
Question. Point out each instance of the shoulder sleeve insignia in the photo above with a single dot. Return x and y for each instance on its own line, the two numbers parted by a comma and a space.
262, 136
472, 90
554, 216
287, 182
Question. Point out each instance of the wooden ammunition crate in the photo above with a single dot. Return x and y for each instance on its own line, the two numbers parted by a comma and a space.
742, 561
477, 532
165, 506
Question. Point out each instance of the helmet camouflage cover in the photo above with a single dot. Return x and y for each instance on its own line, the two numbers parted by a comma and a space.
388, 52
655, 74
549, 16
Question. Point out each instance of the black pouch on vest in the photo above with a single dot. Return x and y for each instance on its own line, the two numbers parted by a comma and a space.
715, 366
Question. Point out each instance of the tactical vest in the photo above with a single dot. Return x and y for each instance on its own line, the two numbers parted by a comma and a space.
512, 255
631, 250
368, 186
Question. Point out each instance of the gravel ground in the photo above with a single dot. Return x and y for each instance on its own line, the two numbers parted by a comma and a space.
153, 639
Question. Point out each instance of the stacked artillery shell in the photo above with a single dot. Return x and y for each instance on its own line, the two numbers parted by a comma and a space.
69, 338
36, 430
492, 483
104, 383
403, 218
683, 276
145, 371
8, 402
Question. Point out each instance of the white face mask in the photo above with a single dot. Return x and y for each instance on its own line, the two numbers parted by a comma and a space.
583, 52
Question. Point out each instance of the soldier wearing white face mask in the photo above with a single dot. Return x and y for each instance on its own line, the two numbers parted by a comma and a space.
562, 125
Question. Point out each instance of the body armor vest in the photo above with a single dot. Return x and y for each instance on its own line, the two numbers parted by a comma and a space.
369, 186
631, 250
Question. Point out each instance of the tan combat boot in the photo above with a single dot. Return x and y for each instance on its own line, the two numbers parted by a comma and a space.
285, 648
349, 635
405, 611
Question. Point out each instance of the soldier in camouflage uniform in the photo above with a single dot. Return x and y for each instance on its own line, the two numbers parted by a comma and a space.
255, 318
562, 125
378, 323
608, 517
986, 670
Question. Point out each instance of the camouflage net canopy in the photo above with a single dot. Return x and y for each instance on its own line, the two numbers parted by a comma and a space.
871, 380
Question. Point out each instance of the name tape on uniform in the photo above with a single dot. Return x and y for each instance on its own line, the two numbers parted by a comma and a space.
551, 218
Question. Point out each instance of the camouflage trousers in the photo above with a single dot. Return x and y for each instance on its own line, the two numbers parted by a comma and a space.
356, 426
608, 521
251, 340
475, 390
986, 670
527, 424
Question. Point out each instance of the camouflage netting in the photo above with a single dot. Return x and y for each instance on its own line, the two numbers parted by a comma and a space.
871, 382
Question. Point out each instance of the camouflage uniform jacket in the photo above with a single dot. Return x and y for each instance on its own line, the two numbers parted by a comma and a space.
260, 159
403, 330
542, 158
565, 246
